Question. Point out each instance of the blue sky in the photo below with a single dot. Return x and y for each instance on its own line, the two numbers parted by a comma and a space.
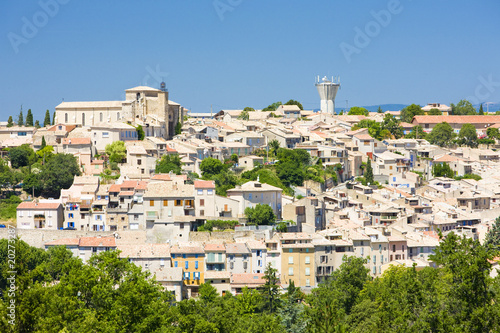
237, 53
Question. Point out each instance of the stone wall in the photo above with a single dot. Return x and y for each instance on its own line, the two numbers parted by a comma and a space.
38, 237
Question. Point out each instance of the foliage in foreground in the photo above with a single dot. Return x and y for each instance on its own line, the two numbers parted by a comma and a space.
110, 294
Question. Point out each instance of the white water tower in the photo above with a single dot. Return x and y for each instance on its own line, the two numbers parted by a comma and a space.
327, 91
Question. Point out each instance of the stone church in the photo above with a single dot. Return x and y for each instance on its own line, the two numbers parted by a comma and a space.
144, 106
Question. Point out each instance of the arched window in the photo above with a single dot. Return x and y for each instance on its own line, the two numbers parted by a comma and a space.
100, 117
65, 118
118, 116
83, 119
138, 96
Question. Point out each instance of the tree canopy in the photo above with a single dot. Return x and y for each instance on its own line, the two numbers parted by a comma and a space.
468, 135
272, 107
407, 113
294, 102
169, 162
358, 111
442, 135
261, 214
116, 151
59, 173
463, 108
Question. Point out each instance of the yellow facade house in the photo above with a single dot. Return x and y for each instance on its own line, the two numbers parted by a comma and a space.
191, 258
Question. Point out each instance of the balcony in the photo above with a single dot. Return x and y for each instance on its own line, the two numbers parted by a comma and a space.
388, 217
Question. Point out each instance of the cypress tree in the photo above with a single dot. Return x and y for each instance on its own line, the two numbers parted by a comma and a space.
10, 122
29, 118
369, 172
43, 143
20, 119
54, 118
481, 112
37, 124
46, 121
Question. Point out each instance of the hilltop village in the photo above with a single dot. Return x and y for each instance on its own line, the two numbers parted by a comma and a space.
218, 197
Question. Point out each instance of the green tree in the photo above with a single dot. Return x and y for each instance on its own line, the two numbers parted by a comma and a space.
442, 170
463, 108
274, 145
492, 240
248, 109
169, 162
379, 110
481, 111
224, 181
33, 184
10, 122
369, 172
58, 173
293, 312
29, 118
294, 102
44, 143
46, 121
210, 167
435, 112
140, 132
272, 107
407, 113
358, 111
270, 290
22, 156
442, 135
116, 151
244, 115
417, 132
334, 298
37, 124
208, 294
469, 296
20, 119
234, 158
178, 128
468, 135
53, 118
261, 214
493, 133
391, 124
45, 154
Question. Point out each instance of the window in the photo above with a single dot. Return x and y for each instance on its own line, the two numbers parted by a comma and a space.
210, 192
70, 215
259, 263
249, 196
165, 203
202, 213
394, 248
202, 202
181, 225
308, 271
290, 260
186, 264
200, 192
151, 203
308, 283
178, 202
290, 271
374, 258
65, 117
187, 275
139, 162
196, 265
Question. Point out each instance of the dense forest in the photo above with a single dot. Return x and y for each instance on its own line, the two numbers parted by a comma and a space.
58, 293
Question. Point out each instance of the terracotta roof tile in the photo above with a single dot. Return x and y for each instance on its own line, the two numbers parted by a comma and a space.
215, 247
204, 184
38, 205
97, 241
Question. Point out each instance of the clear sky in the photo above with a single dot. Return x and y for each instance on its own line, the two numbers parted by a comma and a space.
238, 53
